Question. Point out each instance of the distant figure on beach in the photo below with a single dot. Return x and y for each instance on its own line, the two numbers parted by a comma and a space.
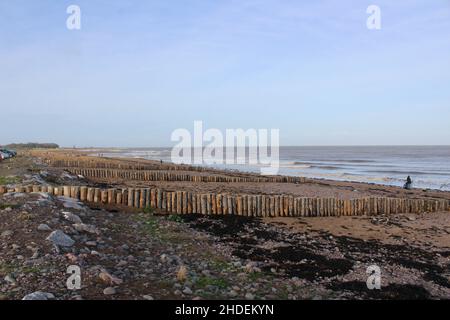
408, 183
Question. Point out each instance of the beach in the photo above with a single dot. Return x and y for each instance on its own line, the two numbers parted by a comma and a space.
129, 250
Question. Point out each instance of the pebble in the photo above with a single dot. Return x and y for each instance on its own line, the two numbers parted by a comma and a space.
39, 295
43, 227
71, 217
109, 291
9, 278
91, 243
59, 238
109, 278
187, 291
249, 296
7, 233
232, 293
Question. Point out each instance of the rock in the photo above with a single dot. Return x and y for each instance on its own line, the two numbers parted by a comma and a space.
251, 267
249, 296
91, 243
43, 227
71, 217
109, 278
147, 297
9, 278
109, 291
61, 239
121, 263
7, 233
71, 203
72, 258
232, 294
39, 295
187, 291
182, 274
82, 227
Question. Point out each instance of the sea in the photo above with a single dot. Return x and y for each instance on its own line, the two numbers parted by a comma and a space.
428, 166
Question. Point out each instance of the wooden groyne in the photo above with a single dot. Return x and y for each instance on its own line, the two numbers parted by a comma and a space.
183, 202
160, 175
107, 168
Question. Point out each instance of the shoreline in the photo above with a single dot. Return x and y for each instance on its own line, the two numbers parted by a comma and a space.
129, 253
386, 167
311, 186
254, 170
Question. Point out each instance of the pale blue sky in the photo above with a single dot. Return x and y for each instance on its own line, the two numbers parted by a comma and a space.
137, 70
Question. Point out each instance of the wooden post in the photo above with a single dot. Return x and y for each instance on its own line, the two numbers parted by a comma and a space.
189, 203
203, 203
90, 195
112, 196
119, 197
239, 205
66, 191
194, 203
142, 199
245, 205
83, 193
159, 198
97, 195
225, 204
153, 198
214, 204
137, 196
130, 201
104, 196
179, 209
169, 202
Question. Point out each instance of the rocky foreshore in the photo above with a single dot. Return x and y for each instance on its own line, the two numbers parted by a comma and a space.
143, 255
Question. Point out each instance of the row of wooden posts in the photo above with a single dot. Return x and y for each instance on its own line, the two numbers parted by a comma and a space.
106, 169
171, 176
102, 163
183, 202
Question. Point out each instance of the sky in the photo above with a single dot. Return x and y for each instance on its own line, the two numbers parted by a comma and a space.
138, 70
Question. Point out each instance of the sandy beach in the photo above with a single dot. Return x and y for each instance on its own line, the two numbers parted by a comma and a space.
220, 257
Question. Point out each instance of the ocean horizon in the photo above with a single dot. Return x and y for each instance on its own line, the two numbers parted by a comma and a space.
428, 166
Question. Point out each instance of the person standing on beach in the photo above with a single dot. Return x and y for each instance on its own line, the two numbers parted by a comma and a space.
408, 183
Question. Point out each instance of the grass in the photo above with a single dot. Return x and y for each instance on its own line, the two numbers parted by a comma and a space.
175, 218
255, 276
7, 268
150, 223
148, 210
8, 180
205, 281
8, 205
31, 270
